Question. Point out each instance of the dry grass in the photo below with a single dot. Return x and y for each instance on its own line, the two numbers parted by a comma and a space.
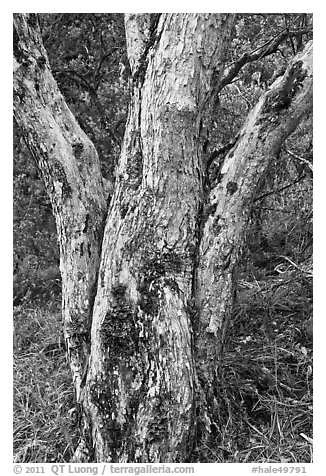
44, 411
265, 377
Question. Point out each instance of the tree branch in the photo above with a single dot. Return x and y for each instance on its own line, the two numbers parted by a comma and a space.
267, 49
279, 190
276, 115
71, 171
300, 159
288, 31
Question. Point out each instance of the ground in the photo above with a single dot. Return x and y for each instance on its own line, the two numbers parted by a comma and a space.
265, 376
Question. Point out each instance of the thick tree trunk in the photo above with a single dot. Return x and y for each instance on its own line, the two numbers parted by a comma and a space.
141, 378
145, 374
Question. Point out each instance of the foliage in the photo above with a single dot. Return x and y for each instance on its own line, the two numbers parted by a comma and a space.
36, 254
87, 67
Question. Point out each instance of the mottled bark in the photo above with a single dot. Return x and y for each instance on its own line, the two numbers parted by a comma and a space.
272, 120
141, 379
70, 169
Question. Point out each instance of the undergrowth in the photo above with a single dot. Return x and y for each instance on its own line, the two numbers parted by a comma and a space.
44, 410
264, 373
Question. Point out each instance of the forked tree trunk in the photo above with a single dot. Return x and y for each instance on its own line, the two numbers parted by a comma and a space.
145, 374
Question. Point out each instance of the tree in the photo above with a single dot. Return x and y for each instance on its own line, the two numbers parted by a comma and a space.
148, 275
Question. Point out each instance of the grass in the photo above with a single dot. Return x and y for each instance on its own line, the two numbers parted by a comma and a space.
44, 409
265, 377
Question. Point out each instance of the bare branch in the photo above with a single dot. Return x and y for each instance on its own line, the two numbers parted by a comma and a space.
267, 49
287, 29
279, 190
300, 159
